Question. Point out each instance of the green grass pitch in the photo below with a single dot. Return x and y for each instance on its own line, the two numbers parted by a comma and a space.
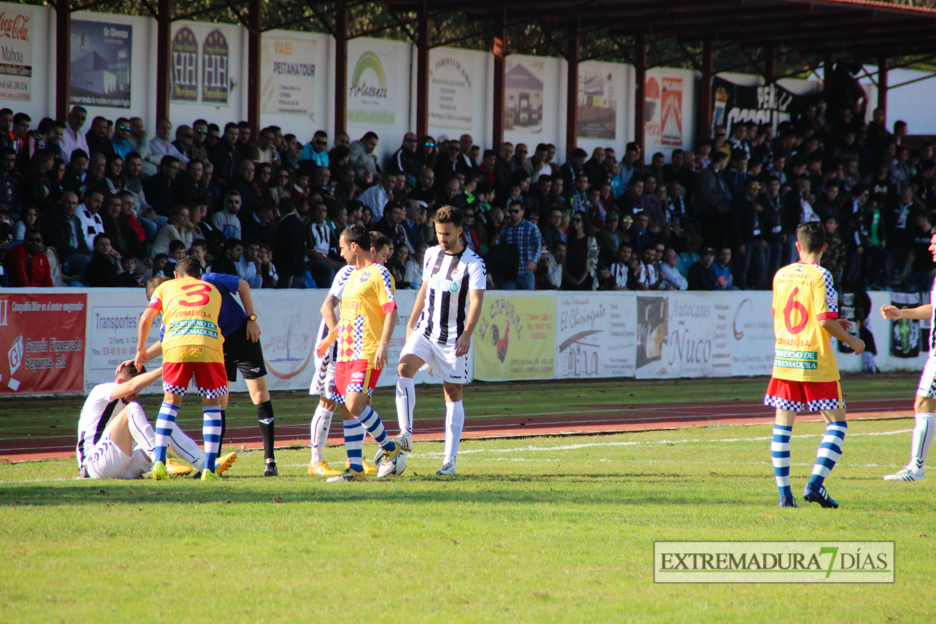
533, 530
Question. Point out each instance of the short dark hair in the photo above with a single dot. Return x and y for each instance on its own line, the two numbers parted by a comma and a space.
176, 244
450, 214
131, 369
189, 266
811, 236
358, 234
378, 240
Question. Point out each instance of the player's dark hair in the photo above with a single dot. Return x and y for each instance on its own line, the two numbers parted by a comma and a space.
449, 214
189, 265
378, 241
357, 233
811, 236
131, 369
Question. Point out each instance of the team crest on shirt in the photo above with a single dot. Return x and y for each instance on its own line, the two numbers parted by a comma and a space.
363, 278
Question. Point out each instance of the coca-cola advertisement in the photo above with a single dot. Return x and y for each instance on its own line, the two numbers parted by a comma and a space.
16, 54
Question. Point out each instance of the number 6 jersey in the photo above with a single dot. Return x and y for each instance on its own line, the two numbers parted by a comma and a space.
803, 295
190, 309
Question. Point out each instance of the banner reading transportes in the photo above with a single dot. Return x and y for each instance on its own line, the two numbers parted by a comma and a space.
42, 343
596, 335
113, 319
516, 337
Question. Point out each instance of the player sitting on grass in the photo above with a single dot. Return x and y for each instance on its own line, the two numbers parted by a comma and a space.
192, 347
368, 316
325, 365
805, 374
925, 404
122, 445
438, 335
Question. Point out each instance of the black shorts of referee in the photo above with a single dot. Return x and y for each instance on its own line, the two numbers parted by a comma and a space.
244, 355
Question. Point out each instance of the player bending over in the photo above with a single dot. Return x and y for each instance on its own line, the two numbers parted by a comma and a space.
368, 316
438, 334
123, 445
325, 365
192, 347
805, 374
925, 404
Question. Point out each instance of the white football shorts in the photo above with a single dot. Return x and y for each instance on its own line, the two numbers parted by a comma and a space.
927, 387
107, 461
440, 360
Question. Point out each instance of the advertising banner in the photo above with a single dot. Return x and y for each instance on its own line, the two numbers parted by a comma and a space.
671, 111
752, 333
113, 319
523, 89
596, 335
287, 71
42, 343
371, 91
683, 336
770, 104
100, 63
215, 79
516, 337
451, 95
184, 66
905, 333
597, 101
16, 67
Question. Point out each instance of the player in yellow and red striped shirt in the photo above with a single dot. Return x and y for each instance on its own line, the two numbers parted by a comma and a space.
805, 374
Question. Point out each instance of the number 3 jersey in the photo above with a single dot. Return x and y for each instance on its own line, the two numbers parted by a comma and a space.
803, 295
448, 278
190, 309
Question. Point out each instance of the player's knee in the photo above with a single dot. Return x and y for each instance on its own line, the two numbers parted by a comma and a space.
403, 370
453, 392
329, 405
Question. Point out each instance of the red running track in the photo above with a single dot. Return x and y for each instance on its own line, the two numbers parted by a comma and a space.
590, 420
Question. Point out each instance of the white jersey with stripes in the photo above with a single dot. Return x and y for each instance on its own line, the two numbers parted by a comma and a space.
448, 278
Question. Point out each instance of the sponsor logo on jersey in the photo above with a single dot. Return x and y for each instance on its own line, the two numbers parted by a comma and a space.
443, 284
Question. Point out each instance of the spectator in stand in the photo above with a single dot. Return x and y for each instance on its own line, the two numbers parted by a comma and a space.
73, 138
414, 222
9, 183
379, 195
631, 164
263, 173
833, 258
133, 180
446, 165
89, 214
322, 247
571, 170
30, 220
723, 278
227, 220
582, 254
62, 230
98, 141
179, 227
391, 225
746, 236
595, 167
290, 255
268, 275
131, 231
104, 268
396, 265
919, 270
426, 152
244, 139
161, 189
314, 152
650, 204
121, 143
609, 239
242, 184
551, 228
672, 279
189, 182
578, 194
140, 144
249, 265
200, 143
406, 160
702, 275
263, 150
502, 169
36, 188
362, 158
113, 174
464, 163
520, 232
628, 204
26, 265
225, 157
712, 199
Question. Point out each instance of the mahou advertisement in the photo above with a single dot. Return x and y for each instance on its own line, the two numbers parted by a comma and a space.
42, 343
16, 55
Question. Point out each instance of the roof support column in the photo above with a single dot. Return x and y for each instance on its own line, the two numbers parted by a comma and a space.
163, 60
341, 67
882, 86
62, 58
500, 63
255, 27
704, 124
770, 65
572, 56
640, 65
828, 63
422, 73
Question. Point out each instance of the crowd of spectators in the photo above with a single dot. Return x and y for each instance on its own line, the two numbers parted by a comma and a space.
111, 206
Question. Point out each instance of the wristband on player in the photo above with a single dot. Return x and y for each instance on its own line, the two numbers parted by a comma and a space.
252, 317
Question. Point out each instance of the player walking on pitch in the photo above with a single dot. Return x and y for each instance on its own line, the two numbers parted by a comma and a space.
925, 404
192, 347
438, 334
805, 374
368, 316
324, 377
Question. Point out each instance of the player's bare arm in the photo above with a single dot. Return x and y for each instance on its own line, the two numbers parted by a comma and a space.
327, 341
253, 329
893, 313
475, 299
835, 329
154, 350
383, 348
135, 385
143, 330
417, 309
328, 311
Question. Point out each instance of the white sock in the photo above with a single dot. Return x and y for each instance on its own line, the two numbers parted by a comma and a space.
405, 404
321, 423
922, 438
141, 429
186, 448
454, 423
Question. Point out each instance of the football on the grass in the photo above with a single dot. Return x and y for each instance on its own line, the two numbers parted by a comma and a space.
400, 464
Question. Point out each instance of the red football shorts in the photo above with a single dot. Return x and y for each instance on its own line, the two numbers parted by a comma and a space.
356, 376
804, 396
210, 378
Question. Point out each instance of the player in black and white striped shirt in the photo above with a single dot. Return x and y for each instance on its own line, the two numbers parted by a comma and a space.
438, 335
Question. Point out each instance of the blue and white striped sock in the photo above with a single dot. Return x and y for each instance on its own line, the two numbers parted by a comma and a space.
780, 455
830, 449
354, 443
374, 426
164, 424
211, 432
